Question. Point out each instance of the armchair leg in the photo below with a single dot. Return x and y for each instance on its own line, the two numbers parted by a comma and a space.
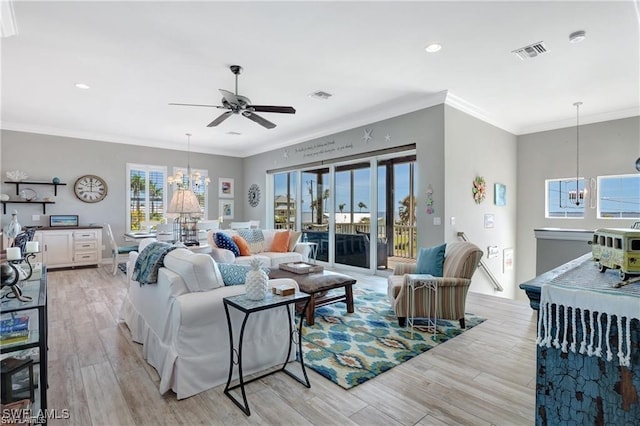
462, 322
402, 321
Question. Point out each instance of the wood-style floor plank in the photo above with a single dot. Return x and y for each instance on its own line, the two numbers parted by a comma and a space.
484, 376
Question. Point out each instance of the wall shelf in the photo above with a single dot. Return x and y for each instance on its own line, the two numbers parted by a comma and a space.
44, 205
33, 182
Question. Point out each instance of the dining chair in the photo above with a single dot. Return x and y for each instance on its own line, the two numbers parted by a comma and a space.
118, 251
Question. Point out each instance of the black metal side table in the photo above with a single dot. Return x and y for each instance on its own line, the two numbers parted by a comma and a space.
271, 301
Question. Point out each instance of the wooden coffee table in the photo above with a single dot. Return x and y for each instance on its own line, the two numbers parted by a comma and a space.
317, 284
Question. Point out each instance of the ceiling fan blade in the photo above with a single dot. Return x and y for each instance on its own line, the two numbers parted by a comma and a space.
196, 105
220, 119
230, 97
261, 121
272, 108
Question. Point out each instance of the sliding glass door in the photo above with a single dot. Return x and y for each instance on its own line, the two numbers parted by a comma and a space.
315, 194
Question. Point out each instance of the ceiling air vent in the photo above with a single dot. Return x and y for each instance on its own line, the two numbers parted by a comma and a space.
232, 133
530, 51
320, 95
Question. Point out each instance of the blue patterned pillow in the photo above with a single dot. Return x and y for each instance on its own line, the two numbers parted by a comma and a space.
254, 238
224, 241
235, 274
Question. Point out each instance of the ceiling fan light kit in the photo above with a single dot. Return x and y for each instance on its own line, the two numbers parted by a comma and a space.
241, 105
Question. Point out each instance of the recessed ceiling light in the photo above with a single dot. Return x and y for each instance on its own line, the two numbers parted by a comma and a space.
433, 47
577, 36
82, 86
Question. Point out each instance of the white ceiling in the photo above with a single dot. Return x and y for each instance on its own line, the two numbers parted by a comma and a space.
138, 57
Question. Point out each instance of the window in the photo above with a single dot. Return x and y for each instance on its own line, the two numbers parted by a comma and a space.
147, 198
618, 243
199, 187
634, 245
284, 200
619, 197
565, 199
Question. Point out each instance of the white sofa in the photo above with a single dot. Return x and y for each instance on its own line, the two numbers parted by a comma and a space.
181, 323
268, 258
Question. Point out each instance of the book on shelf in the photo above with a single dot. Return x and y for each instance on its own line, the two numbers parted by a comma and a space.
14, 329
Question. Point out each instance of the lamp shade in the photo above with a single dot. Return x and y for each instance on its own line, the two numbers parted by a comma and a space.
184, 201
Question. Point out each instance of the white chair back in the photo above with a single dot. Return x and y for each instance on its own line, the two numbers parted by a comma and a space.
164, 232
112, 240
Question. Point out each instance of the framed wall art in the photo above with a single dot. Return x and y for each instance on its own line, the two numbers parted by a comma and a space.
500, 194
489, 220
225, 187
226, 209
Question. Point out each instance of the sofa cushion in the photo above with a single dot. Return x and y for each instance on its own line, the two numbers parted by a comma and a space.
224, 241
255, 239
294, 237
243, 247
198, 270
274, 259
280, 242
233, 274
431, 260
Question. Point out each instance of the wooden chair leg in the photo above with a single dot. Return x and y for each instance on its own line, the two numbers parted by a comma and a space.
402, 321
462, 322
115, 265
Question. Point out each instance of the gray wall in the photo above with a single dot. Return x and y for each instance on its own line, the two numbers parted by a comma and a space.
44, 156
606, 148
475, 148
425, 128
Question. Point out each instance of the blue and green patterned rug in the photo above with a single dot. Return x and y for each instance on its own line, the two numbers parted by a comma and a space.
350, 349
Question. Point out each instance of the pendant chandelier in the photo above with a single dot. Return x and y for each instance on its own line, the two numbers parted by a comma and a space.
193, 180
579, 195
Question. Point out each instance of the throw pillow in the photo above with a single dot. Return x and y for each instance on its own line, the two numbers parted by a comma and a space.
431, 260
243, 247
224, 241
233, 274
280, 242
294, 237
255, 239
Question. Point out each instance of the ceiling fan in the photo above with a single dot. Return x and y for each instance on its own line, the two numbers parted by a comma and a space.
237, 104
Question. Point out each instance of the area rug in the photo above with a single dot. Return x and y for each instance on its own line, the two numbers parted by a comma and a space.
350, 349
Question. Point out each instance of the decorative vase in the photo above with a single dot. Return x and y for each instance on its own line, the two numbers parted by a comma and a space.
256, 282
13, 228
56, 180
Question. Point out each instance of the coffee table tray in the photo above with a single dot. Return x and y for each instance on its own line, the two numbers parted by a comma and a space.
301, 267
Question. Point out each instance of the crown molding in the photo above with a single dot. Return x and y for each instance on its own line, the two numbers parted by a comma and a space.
477, 112
584, 119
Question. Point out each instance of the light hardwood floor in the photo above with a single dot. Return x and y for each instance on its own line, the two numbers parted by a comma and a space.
485, 376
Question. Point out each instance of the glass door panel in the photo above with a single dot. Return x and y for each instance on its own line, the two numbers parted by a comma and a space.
284, 200
314, 208
352, 215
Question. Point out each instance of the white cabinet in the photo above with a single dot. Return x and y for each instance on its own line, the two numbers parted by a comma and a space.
69, 247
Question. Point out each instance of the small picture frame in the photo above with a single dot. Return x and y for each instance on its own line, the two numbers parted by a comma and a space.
489, 220
226, 209
225, 187
500, 194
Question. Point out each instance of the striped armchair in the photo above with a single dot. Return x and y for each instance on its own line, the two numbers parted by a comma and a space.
460, 262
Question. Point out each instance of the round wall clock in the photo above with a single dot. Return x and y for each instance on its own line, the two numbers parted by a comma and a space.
90, 188
254, 195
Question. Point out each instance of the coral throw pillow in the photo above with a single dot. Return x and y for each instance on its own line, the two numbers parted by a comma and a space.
242, 244
224, 241
280, 242
294, 237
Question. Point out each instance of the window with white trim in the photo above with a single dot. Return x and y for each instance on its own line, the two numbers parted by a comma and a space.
565, 198
146, 202
619, 197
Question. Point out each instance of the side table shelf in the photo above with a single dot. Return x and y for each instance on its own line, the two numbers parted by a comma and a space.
38, 335
430, 290
43, 203
33, 182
